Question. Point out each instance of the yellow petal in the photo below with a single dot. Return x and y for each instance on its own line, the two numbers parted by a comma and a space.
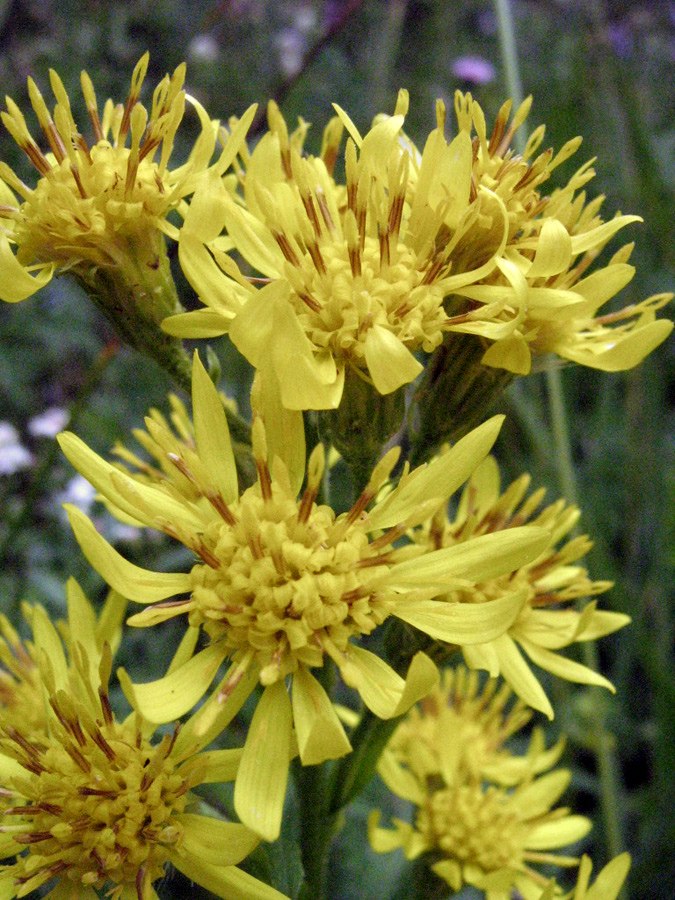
400, 780
212, 433
224, 881
213, 716
615, 353
598, 237
205, 215
215, 841
82, 621
390, 363
558, 833
564, 668
383, 840
16, 282
130, 580
170, 697
554, 250
284, 428
221, 765
47, 640
382, 690
235, 140
462, 623
260, 788
140, 501
319, 731
511, 353
202, 323
515, 670
477, 559
439, 479
610, 880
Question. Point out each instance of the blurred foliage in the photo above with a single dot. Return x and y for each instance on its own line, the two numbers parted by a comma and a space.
600, 68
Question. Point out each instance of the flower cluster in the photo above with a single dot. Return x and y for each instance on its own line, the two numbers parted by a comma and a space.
90, 801
360, 275
482, 815
353, 540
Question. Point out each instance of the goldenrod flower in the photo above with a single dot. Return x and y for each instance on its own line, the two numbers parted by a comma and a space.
91, 803
543, 296
477, 715
606, 886
545, 623
354, 272
21, 686
281, 584
469, 826
100, 210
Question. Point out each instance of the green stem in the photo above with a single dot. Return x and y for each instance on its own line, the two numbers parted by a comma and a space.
606, 758
317, 824
353, 772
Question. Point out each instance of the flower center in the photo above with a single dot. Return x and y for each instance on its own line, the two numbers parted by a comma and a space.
349, 296
98, 804
284, 580
473, 825
90, 217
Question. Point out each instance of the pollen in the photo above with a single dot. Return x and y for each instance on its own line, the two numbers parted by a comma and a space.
97, 805
287, 581
474, 825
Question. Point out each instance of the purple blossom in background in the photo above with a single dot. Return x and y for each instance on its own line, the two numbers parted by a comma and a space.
49, 423
474, 69
13, 455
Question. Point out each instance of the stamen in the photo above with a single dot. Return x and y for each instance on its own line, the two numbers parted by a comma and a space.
89, 95
286, 248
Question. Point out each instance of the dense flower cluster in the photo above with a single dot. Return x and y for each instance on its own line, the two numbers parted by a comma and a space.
395, 291
90, 801
482, 815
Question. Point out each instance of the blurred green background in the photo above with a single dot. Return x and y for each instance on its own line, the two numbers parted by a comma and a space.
600, 68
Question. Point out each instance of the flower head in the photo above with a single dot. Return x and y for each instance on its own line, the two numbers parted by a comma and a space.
99, 210
281, 583
545, 623
91, 802
543, 296
354, 272
482, 815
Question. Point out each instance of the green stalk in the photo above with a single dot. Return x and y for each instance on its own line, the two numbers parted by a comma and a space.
603, 747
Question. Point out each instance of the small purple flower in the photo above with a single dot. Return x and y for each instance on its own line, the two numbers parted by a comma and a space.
474, 69
49, 423
13, 455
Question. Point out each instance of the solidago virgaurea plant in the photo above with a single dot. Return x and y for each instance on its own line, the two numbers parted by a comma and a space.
100, 210
90, 801
546, 622
357, 599
283, 584
482, 815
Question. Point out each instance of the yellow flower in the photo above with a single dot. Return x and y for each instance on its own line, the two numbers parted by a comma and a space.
478, 719
606, 886
21, 687
545, 623
354, 273
543, 296
91, 802
470, 826
99, 210
280, 583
